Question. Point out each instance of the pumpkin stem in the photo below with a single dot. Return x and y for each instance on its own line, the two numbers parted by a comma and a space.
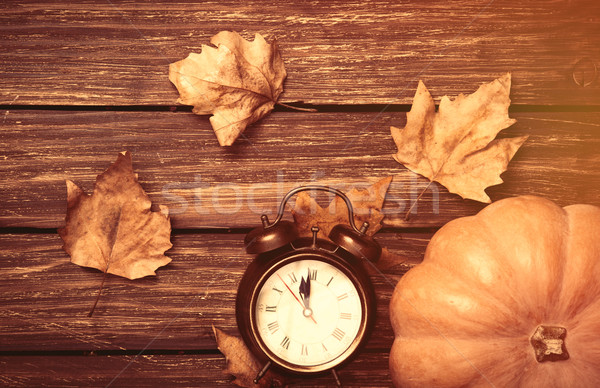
548, 343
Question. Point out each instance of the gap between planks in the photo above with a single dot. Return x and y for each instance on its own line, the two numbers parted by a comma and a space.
320, 108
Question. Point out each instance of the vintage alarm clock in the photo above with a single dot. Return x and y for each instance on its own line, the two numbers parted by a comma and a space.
306, 305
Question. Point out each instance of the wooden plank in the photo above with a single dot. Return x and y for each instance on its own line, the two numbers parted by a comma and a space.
44, 299
181, 165
370, 369
355, 52
100, 371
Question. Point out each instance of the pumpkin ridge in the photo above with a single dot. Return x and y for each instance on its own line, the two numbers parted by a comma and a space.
580, 285
508, 307
553, 222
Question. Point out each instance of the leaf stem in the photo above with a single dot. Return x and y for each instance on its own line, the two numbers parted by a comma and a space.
407, 215
98, 296
296, 108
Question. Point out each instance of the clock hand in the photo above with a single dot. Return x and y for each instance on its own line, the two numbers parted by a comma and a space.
305, 291
301, 304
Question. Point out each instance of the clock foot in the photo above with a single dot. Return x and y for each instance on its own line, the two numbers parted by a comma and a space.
336, 378
262, 372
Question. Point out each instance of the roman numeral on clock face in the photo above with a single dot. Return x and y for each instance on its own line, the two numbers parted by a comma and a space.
271, 309
273, 326
292, 277
304, 351
342, 315
285, 343
338, 334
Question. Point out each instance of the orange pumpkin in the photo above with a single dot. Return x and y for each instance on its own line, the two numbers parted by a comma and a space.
507, 298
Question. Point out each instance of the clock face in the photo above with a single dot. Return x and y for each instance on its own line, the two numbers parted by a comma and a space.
309, 313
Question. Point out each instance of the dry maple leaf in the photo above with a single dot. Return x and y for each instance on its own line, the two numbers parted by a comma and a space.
367, 204
456, 145
242, 364
238, 82
114, 229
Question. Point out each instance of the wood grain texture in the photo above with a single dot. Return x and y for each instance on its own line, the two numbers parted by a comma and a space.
181, 165
368, 370
100, 371
352, 52
44, 299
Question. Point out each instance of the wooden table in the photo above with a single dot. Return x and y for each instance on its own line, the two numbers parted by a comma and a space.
80, 82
